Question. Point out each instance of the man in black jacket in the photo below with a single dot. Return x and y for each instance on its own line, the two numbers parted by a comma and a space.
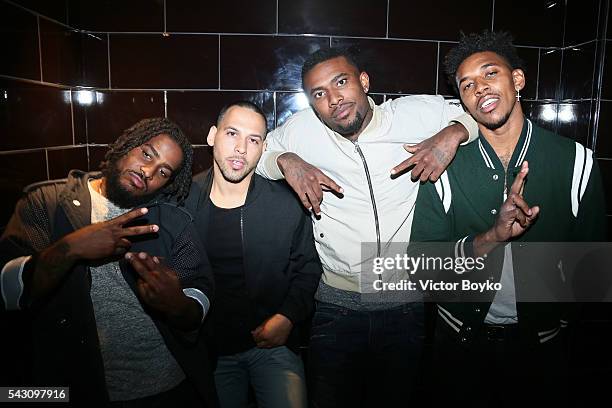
117, 327
260, 245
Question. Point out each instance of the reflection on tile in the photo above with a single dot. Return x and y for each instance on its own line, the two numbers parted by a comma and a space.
247, 16
606, 91
577, 74
604, 132
366, 18
154, 61
117, 15
105, 115
72, 58
264, 62
573, 121
55, 9
543, 114
33, 116
532, 22
606, 174
202, 159
19, 43
195, 112
550, 72
530, 59
18, 170
581, 21
438, 20
391, 66
96, 156
287, 103
61, 161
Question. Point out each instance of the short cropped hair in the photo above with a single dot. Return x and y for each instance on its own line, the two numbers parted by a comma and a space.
351, 54
497, 42
243, 104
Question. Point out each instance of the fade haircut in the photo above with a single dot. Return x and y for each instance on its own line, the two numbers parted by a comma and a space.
142, 132
500, 43
247, 105
351, 54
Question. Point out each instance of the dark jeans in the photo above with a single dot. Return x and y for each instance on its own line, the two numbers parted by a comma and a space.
501, 371
364, 359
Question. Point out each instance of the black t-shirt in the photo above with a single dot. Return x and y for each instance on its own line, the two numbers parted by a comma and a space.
232, 311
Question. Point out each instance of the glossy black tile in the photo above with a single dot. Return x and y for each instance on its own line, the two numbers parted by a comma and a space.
543, 114
606, 90
195, 112
55, 9
604, 132
606, 174
267, 63
19, 43
96, 156
438, 20
530, 57
404, 67
532, 22
573, 121
104, 115
61, 161
577, 72
288, 103
117, 15
154, 61
550, 74
33, 116
581, 21
230, 16
18, 170
202, 159
445, 87
73, 58
367, 18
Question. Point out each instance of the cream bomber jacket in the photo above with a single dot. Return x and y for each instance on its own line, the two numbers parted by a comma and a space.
375, 208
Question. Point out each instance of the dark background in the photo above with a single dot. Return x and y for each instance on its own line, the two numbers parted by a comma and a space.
74, 74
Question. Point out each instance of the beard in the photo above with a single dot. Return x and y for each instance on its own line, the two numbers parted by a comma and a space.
499, 123
231, 175
118, 195
349, 129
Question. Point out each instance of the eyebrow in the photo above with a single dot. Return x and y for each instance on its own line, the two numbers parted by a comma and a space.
485, 66
166, 165
334, 79
238, 131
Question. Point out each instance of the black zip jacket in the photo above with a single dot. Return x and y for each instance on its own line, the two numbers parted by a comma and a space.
281, 265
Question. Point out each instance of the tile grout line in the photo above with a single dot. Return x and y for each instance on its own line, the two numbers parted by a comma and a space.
387, 29
47, 162
109, 60
437, 68
40, 64
219, 63
493, 15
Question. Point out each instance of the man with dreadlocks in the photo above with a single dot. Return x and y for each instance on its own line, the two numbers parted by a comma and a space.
497, 349
109, 271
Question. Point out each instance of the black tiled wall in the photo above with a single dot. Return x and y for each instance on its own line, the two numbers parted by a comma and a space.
74, 74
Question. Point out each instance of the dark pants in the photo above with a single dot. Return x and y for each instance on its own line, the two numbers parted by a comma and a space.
498, 370
183, 395
364, 359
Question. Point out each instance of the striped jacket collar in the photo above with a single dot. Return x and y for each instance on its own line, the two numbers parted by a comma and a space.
518, 156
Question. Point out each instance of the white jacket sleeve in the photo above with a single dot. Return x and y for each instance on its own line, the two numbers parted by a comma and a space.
454, 112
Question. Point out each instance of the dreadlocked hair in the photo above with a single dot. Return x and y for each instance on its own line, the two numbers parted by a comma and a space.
142, 132
498, 42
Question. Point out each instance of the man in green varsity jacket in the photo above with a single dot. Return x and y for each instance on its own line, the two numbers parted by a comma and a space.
518, 183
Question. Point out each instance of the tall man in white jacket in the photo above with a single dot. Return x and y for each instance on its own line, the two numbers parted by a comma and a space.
362, 353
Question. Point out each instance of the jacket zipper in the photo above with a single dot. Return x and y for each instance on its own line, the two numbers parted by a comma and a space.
367, 172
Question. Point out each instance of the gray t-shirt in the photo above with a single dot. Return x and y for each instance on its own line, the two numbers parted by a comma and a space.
137, 362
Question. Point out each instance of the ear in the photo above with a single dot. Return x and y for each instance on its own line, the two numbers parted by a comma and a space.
265, 145
364, 79
210, 139
518, 77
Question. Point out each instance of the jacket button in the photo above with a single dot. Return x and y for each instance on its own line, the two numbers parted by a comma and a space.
321, 235
468, 329
495, 177
464, 339
76, 203
477, 310
494, 211
62, 321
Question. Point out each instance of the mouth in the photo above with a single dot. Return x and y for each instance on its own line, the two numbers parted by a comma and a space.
342, 111
488, 103
137, 180
236, 163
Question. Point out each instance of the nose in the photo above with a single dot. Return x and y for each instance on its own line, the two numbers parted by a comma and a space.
240, 146
335, 98
481, 87
146, 173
